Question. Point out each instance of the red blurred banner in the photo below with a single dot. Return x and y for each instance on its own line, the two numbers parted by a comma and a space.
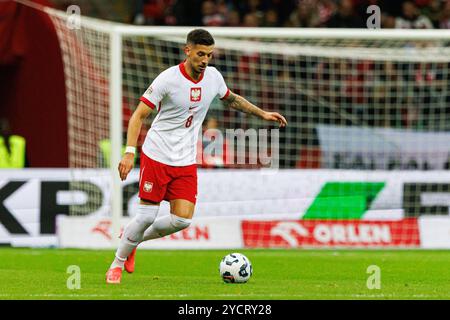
330, 233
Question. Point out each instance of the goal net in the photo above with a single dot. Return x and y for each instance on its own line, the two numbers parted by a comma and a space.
359, 103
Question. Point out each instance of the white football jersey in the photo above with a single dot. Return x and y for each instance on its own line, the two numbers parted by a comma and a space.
182, 104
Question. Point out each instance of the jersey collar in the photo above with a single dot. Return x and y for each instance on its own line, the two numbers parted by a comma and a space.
187, 76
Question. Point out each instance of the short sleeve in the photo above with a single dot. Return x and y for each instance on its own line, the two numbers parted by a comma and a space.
155, 92
223, 90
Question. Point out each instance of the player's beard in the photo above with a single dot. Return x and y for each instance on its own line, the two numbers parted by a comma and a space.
200, 70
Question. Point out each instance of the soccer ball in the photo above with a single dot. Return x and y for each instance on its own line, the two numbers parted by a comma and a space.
235, 268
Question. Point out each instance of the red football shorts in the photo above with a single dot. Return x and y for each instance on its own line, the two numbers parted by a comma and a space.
159, 181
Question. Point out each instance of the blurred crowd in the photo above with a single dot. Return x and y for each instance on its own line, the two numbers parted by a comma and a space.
411, 14
309, 90
414, 14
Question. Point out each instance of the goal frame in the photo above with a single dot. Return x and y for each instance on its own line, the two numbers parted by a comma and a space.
118, 31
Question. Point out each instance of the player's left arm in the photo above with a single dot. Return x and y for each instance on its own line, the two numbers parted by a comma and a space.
239, 103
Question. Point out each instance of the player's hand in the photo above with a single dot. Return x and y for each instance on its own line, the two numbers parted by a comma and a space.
275, 116
125, 165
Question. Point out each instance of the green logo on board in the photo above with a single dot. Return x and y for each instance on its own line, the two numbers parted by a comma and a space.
343, 200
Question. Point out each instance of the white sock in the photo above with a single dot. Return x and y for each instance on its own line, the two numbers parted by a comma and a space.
166, 225
134, 232
118, 262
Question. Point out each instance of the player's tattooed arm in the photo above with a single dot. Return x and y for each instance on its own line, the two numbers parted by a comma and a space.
239, 103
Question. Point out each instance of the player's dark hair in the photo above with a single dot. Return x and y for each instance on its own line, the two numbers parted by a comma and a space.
200, 36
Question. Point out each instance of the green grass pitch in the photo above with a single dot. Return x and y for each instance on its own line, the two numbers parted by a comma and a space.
193, 274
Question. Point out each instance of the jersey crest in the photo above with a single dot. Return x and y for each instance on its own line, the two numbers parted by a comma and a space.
148, 186
196, 94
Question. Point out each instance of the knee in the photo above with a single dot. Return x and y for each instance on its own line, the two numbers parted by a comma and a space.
145, 219
179, 222
146, 214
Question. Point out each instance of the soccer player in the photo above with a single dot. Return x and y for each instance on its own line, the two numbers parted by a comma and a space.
182, 95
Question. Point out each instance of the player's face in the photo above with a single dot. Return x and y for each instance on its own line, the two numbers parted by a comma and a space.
198, 56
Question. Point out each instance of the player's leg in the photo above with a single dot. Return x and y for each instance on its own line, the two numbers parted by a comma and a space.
180, 217
152, 187
130, 262
131, 237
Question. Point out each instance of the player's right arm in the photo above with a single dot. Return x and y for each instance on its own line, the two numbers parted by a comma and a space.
149, 100
239, 103
134, 128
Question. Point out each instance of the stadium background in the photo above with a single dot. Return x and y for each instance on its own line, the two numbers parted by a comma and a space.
364, 162
403, 110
